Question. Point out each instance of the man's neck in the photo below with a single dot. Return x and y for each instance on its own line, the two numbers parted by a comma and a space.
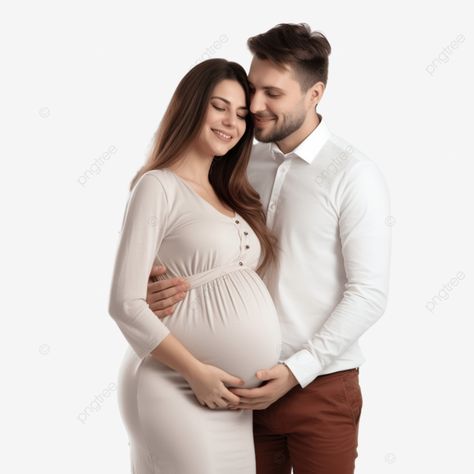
289, 143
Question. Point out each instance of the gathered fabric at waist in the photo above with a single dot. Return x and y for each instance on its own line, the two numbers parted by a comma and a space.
199, 279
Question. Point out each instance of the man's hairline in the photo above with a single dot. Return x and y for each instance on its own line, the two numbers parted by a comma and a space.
289, 67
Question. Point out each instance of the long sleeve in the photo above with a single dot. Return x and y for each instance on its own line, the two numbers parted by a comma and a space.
362, 201
143, 228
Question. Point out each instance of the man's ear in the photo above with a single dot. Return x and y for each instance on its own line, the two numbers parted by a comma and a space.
316, 92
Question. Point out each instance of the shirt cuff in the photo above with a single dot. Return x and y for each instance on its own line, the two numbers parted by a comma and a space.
304, 366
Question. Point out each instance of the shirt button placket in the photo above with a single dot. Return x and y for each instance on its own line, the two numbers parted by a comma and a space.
246, 240
237, 222
277, 185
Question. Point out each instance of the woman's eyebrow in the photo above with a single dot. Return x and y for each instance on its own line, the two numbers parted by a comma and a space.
227, 101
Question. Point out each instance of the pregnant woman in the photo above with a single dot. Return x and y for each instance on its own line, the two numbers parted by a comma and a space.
192, 209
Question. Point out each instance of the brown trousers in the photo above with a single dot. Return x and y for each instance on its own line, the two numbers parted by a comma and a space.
312, 430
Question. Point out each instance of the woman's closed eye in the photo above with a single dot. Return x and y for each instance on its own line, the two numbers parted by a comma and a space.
222, 109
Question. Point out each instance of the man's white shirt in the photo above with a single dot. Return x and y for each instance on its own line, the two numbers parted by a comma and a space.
328, 206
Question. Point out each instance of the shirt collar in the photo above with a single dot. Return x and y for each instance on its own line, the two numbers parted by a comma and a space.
308, 149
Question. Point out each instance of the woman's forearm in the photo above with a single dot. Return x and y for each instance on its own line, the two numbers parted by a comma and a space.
172, 353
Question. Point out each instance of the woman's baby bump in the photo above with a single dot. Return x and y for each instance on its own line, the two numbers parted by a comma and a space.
231, 323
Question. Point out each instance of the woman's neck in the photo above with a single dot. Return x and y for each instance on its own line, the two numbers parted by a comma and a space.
194, 167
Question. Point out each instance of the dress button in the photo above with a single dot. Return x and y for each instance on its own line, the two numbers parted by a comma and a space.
247, 246
246, 233
237, 222
240, 263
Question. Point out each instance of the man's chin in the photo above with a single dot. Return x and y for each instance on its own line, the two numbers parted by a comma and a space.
263, 137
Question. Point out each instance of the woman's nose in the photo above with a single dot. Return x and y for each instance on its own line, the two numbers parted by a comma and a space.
229, 119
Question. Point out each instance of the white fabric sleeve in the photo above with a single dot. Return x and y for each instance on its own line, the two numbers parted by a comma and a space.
363, 205
143, 228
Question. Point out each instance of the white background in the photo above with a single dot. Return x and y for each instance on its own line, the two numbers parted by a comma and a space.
81, 77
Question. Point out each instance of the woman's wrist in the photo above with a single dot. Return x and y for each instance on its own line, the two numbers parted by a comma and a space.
191, 368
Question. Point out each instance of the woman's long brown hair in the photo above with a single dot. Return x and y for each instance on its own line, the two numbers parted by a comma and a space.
181, 124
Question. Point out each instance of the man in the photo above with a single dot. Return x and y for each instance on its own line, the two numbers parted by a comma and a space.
328, 206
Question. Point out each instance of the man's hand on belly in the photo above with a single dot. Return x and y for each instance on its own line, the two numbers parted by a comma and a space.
162, 295
280, 380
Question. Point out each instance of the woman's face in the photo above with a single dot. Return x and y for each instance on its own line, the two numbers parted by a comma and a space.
224, 123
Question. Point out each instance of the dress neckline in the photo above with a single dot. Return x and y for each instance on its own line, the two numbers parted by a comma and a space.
181, 180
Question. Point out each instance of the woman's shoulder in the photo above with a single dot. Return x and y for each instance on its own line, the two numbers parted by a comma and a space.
160, 182
162, 176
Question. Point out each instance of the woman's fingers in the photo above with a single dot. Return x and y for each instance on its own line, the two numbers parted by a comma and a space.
231, 398
229, 379
211, 405
221, 403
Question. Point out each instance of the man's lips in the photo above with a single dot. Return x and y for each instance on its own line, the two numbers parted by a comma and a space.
263, 119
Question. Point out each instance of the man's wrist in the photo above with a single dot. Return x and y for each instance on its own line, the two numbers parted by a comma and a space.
292, 380
304, 366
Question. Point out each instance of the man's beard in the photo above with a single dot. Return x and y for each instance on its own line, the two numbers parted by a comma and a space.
288, 127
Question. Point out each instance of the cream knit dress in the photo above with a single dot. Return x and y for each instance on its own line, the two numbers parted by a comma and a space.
227, 319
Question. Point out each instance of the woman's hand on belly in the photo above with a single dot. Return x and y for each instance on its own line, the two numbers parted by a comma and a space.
279, 381
208, 385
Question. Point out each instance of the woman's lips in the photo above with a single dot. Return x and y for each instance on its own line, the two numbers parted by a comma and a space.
222, 135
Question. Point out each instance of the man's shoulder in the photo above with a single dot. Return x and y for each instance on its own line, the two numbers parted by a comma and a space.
349, 154
341, 162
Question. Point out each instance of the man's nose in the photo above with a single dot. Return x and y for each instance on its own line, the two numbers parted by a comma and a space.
257, 103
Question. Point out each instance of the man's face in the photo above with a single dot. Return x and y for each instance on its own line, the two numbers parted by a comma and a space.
278, 105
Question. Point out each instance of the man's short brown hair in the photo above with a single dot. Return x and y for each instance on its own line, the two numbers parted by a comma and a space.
295, 45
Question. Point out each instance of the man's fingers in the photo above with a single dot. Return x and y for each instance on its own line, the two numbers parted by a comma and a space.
249, 407
163, 299
164, 312
164, 294
252, 401
250, 393
166, 303
157, 270
161, 285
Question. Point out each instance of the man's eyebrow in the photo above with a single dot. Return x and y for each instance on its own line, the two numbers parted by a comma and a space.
267, 88
227, 101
